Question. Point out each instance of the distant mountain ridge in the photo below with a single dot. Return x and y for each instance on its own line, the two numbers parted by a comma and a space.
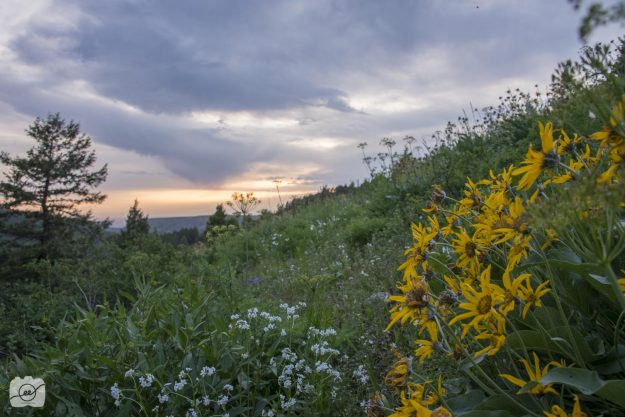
162, 225
171, 224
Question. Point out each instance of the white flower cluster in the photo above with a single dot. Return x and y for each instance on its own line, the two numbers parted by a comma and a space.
286, 404
222, 400
163, 398
146, 381
328, 369
365, 404
207, 371
312, 331
191, 413
242, 324
179, 385
361, 374
116, 393
296, 373
289, 355
268, 413
129, 373
291, 311
323, 349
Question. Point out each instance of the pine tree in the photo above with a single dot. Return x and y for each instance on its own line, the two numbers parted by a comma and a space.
136, 223
53, 180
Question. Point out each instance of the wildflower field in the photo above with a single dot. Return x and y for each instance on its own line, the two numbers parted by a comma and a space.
481, 275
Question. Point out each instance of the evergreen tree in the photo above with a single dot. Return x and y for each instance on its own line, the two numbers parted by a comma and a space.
52, 181
136, 223
219, 217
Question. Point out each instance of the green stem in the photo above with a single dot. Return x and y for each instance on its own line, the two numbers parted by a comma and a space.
487, 377
616, 288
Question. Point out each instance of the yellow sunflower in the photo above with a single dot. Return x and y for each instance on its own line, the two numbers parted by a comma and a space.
469, 249
532, 296
412, 304
556, 411
480, 305
495, 334
535, 374
537, 161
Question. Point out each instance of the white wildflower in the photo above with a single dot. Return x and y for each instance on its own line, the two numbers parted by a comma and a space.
146, 382
207, 371
180, 384
116, 393
222, 400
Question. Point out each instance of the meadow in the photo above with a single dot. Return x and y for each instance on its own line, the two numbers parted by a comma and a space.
477, 273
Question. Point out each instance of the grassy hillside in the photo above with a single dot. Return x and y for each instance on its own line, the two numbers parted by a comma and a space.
287, 315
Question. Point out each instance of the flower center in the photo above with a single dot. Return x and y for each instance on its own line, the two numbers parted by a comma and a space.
417, 297
469, 249
485, 304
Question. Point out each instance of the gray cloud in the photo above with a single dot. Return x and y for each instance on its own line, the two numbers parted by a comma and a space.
309, 61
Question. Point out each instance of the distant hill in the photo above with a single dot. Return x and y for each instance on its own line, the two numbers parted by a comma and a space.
172, 224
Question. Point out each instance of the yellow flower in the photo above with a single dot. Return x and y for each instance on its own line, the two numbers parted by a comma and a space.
500, 182
473, 198
518, 251
480, 305
552, 237
496, 335
511, 287
417, 253
419, 397
396, 377
531, 296
511, 224
537, 161
468, 247
556, 411
535, 374
426, 347
609, 135
412, 304
566, 145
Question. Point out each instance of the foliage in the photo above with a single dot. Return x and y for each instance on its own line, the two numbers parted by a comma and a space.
497, 279
598, 14
137, 225
177, 352
53, 179
185, 236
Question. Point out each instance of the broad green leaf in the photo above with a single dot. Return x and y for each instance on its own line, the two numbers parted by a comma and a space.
588, 382
502, 403
465, 402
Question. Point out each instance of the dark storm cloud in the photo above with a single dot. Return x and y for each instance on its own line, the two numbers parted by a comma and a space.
165, 56
169, 58
199, 155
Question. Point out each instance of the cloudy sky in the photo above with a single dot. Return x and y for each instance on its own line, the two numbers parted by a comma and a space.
190, 100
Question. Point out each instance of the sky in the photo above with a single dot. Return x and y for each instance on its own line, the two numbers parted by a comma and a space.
189, 101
